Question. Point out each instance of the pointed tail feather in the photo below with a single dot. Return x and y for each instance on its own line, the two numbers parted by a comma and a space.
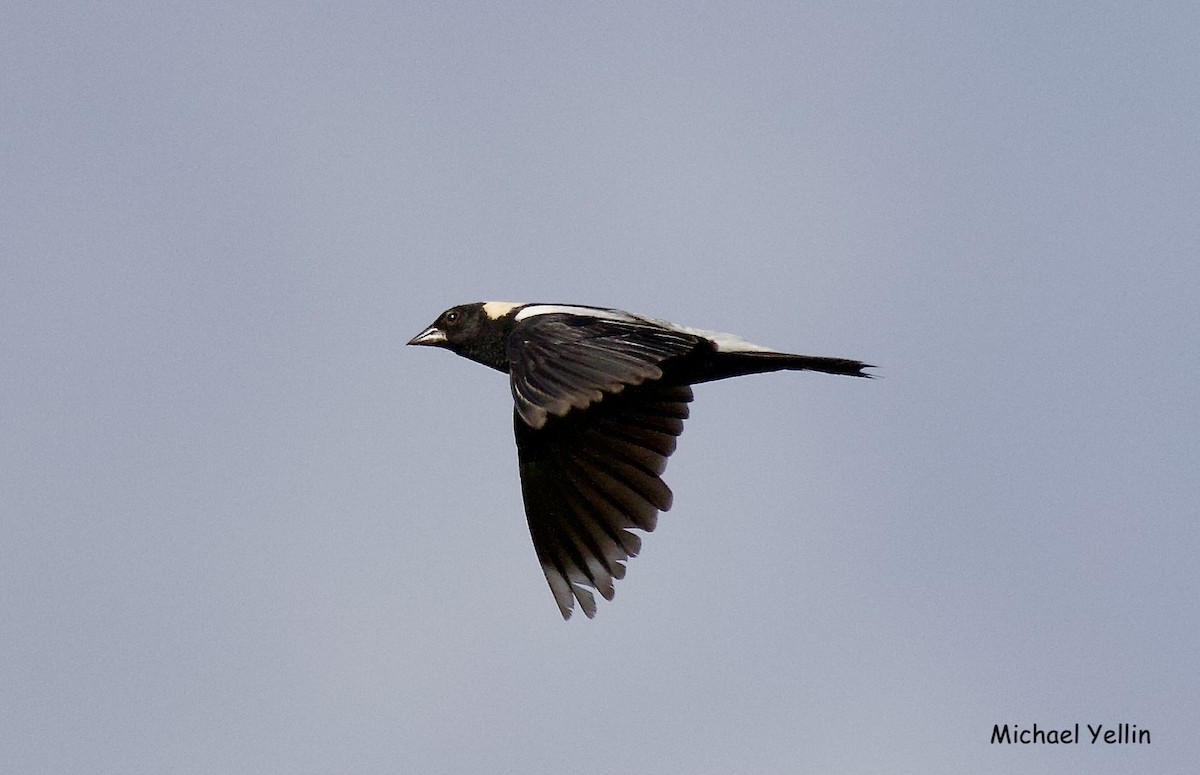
736, 364
850, 368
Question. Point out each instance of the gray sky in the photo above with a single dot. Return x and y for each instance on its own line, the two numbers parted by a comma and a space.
245, 530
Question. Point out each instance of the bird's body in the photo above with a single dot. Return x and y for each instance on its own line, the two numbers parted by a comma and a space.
600, 397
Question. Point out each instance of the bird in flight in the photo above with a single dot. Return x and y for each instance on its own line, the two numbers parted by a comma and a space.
600, 397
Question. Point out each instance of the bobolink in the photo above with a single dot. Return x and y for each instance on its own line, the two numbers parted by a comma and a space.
600, 397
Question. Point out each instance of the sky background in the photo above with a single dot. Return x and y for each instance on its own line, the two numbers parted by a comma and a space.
244, 529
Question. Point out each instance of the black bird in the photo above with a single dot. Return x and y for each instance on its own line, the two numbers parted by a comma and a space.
600, 396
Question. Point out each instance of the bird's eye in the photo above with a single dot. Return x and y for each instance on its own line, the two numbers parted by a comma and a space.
453, 316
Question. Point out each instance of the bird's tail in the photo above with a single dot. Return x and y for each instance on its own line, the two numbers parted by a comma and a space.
846, 366
736, 364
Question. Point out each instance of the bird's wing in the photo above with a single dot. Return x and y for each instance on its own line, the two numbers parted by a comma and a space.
590, 477
561, 362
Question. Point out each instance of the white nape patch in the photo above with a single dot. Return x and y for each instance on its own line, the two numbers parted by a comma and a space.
534, 310
498, 309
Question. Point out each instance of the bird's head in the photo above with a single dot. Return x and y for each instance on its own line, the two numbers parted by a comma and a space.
476, 331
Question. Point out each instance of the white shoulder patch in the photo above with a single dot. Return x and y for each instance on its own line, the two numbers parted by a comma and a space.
498, 309
729, 343
725, 343
534, 310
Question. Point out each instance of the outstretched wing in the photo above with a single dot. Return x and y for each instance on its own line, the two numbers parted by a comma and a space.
564, 361
588, 478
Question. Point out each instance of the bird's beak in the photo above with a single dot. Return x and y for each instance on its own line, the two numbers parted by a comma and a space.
431, 336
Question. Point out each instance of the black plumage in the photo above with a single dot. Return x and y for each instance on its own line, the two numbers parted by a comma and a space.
599, 397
